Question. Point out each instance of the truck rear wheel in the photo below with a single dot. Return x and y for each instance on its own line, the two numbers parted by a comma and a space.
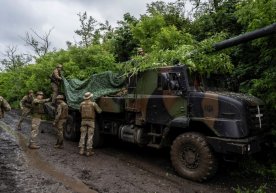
192, 158
70, 129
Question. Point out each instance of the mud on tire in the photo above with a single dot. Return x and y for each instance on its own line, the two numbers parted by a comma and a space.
70, 132
192, 158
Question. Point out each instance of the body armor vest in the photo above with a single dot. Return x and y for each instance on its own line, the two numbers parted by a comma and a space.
87, 110
38, 108
28, 102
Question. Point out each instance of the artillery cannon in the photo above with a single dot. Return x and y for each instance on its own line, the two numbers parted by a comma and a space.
246, 37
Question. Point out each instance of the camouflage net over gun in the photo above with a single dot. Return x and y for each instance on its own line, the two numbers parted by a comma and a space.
101, 84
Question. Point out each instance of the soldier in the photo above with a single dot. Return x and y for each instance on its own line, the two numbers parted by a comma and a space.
87, 109
60, 120
25, 106
4, 106
38, 114
140, 52
56, 81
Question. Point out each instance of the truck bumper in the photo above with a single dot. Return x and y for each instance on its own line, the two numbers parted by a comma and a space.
244, 146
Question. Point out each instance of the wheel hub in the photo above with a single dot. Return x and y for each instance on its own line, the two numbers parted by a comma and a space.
190, 157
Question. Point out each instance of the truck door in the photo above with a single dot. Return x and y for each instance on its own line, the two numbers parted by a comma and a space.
169, 101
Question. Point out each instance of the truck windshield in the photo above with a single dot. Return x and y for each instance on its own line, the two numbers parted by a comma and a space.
213, 82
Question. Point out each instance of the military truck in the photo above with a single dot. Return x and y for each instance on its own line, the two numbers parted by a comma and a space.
193, 115
170, 107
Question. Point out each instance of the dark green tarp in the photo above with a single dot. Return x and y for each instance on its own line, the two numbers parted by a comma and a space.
99, 84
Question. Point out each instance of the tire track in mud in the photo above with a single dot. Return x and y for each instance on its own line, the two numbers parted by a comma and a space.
118, 167
189, 186
121, 157
35, 160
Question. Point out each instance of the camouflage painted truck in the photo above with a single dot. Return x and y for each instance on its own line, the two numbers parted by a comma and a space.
193, 115
168, 107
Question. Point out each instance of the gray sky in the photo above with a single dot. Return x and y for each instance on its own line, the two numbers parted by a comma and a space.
19, 16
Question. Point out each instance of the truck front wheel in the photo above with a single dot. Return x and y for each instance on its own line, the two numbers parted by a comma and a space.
192, 158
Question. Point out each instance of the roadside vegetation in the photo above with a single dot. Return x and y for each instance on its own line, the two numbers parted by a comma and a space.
169, 35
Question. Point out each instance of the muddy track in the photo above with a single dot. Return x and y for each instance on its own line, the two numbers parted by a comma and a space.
118, 167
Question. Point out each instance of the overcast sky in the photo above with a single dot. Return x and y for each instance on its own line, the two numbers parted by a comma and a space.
19, 16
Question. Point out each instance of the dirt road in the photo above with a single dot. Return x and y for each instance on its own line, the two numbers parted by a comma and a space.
118, 167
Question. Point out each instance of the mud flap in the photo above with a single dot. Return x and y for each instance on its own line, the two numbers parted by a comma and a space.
98, 139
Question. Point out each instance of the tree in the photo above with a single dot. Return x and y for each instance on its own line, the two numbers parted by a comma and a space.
39, 43
13, 60
107, 29
174, 13
124, 42
223, 19
257, 59
201, 7
87, 31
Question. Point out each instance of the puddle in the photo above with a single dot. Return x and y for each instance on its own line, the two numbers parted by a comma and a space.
37, 161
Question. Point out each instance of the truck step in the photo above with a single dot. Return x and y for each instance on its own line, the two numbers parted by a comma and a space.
156, 146
155, 134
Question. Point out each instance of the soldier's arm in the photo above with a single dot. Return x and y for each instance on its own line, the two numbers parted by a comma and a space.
41, 100
56, 74
6, 105
46, 100
21, 102
96, 106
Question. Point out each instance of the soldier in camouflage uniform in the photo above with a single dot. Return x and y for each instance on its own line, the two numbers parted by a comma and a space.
26, 107
60, 119
56, 81
140, 52
38, 114
87, 109
4, 106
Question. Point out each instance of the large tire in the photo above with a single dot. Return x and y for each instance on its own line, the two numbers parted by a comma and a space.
98, 140
70, 130
192, 158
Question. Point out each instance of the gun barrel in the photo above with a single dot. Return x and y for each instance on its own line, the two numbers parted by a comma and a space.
265, 31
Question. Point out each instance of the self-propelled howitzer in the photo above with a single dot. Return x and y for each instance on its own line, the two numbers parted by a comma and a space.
249, 36
170, 107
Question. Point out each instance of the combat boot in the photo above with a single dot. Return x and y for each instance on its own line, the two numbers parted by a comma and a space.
57, 145
89, 152
18, 127
81, 151
33, 146
61, 145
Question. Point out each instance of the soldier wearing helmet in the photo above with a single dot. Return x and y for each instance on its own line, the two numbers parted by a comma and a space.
87, 109
25, 106
38, 114
4, 106
140, 52
56, 81
60, 120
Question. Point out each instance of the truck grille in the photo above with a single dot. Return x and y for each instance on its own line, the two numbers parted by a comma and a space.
257, 119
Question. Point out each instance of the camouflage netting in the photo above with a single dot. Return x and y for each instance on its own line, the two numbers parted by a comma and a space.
99, 84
